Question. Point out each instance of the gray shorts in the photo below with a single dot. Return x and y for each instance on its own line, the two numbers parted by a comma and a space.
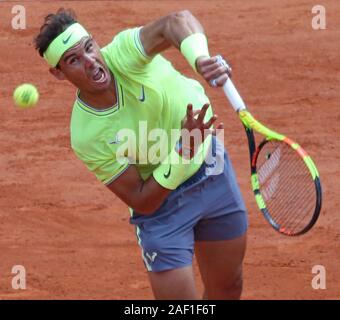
207, 207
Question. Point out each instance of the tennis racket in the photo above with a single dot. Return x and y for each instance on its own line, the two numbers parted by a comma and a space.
284, 178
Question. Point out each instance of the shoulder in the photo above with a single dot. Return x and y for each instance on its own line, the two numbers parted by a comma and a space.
82, 133
126, 37
125, 51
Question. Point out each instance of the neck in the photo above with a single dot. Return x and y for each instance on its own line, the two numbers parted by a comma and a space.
101, 100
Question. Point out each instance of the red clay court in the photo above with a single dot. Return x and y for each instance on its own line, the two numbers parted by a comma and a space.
72, 234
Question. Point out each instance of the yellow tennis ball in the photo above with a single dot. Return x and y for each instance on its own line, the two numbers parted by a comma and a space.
26, 96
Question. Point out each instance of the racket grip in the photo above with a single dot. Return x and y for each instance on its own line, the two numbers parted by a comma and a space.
233, 96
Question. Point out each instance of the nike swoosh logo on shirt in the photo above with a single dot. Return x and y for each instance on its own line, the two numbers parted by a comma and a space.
115, 141
142, 97
167, 175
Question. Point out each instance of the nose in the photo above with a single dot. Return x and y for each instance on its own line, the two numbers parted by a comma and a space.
89, 61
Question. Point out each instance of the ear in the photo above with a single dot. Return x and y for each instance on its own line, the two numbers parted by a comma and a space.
57, 73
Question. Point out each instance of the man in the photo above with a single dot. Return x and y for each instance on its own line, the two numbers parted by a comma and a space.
176, 205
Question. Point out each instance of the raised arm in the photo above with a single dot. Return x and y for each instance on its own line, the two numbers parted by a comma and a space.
183, 31
169, 31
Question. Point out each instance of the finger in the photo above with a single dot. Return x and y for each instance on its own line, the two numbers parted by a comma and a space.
210, 122
217, 61
220, 81
189, 112
207, 61
203, 112
209, 67
220, 70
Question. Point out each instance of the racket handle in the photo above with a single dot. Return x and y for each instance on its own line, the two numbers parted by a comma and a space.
233, 96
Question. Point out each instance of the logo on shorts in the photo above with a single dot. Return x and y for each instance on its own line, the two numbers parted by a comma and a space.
152, 257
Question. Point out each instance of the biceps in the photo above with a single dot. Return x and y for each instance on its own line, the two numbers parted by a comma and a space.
127, 186
152, 37
143, 196
170, 30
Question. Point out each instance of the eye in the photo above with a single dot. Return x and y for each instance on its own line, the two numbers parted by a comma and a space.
73, 60
89, 47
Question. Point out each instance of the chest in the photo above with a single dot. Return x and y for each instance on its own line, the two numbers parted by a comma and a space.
141, 112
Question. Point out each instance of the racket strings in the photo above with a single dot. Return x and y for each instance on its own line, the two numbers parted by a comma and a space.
285, 211
282, 205
272, 179
286, 221
282, 213
288, 216
286, 186
309, 204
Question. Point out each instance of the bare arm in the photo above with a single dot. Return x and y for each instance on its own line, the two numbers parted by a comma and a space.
170, 31
143, 196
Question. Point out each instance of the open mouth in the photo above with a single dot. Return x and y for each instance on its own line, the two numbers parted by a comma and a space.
99, 76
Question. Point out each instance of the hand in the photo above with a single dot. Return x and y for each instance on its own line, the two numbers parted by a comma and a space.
196, 130
214, 70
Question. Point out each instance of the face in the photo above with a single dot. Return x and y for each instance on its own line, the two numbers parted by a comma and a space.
84, 66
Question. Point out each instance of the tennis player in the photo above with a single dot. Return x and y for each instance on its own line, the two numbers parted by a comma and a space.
179, 202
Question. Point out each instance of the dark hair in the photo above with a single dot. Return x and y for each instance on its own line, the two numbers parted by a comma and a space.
54, 24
